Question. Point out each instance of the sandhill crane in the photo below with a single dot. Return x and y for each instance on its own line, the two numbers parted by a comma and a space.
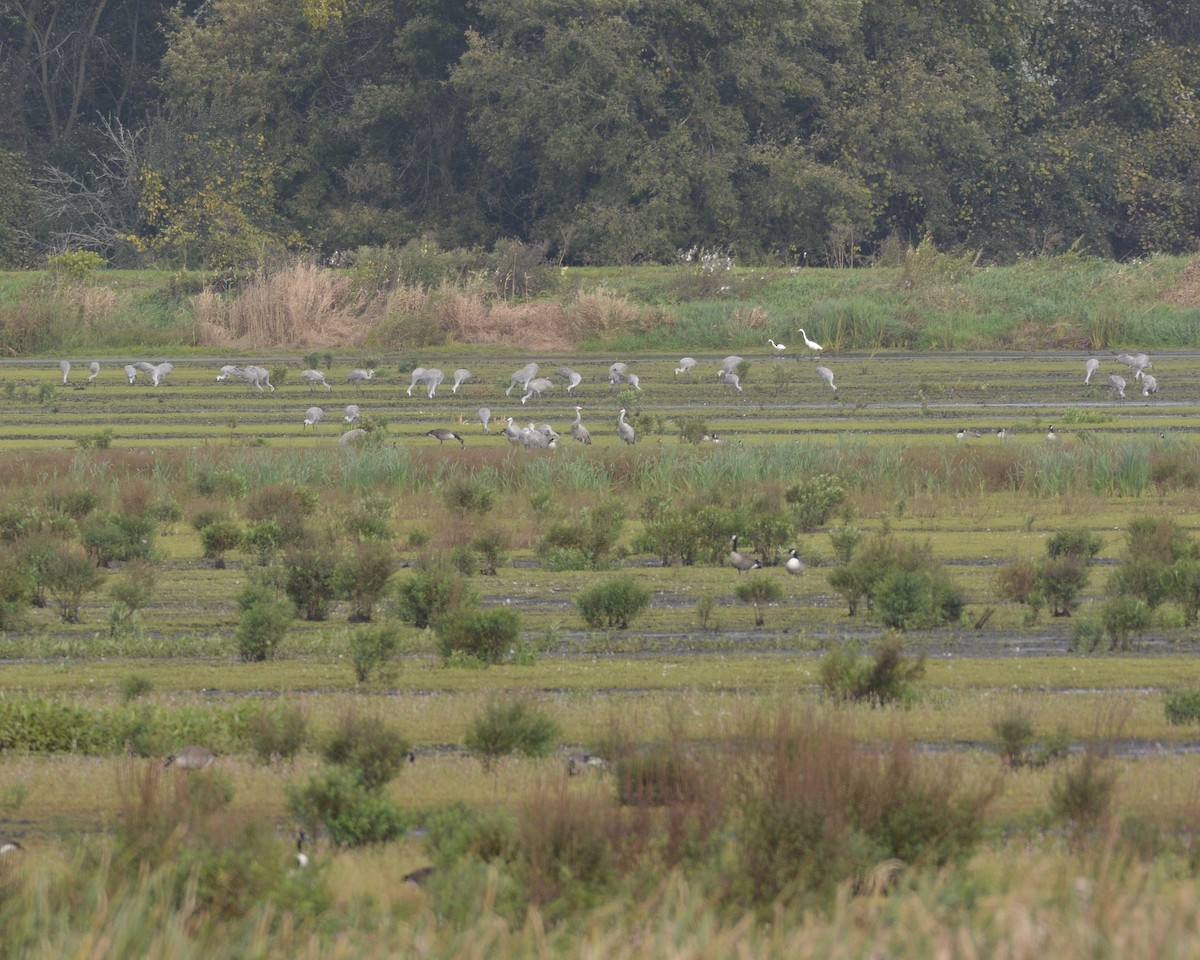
578, 430
740, 561
633, 380
1090, 367
1050, 434
191, 757
485, 415
730, 380
1117, 382
616, 373
255, 376
685, 366
793, 564
779, 347
313, 378
538, 385
1137, 362
522, 376
65, 367
313, 416
512, 433
433, 380
810, 343
1149, 384
351, 437
417, 375
353, 413
460, 376
827, 375
131, 372
573, 379
93, 371
547, 431
227, 372
359, 376
626, 431
730, 364
580, 761
159, 373
441, 434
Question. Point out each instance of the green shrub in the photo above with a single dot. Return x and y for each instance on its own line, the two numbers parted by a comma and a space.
209, 481
614, 603
372, 650
511, 726
219, 537
285, 503
845, 540
1182, 706
1018, 746
492, 547
1060, 579
16, 589
486, 635
1123, 618
1183, 586
134, 686
593, 533
886, 679
263, 540
118, 538
470, 496
362, 576
758, 591
353, 815
69, 577
261, 628
813, 500
917, 599
309, 578
277, 733
368, 748
434, 589
1082, 795
1074, 542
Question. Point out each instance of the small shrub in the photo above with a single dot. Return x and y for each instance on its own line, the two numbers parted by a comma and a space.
285, 503
886, 679
368, 748
372, 650
218, 483
278, 733
219, 537
263, 540
845, 540
486, 635
309, 578
814, 500
758, 591
69, 577
706, 607
1123, 618
507, 727
261, 628
351, 814
362, 576
492, 547
1060, 579
1182, 706
1082, 795
1074, 542
118, 538
463, 497
592, 533
615, 603
436, 588
135, 686
1018, 746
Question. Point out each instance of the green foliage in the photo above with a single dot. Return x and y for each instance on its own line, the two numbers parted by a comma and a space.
590, 535
511, 726
434, 589
118, 537
286, 504
613, 603
69, 576
1082, 795
492, 549
16, 589
1182, 706
1017, 743
309, 578
362, 576
902, 583
1124, 617
372, 650
1060, 580
845, 540
75, 265
219, 537
758, 590
336, 801
135, 686
211, 481
262, 627
886, 679
370, 749
277, 733
263, 540
814, 499
485, 635
473, 496
1077, 542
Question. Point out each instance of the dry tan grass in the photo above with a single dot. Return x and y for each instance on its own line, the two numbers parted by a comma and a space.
469, 317
600, 311
97, 305
1186, 293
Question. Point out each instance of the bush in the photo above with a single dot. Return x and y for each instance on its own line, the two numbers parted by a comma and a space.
286, 504
262, 627
1074, 542
814, 500
352, 815
263, 540
118, 538
134, 686
463, 497
1082, 795
211, 481
372, 650
486, 635
219, 537
888, 678
16, 589
370, 749
917, 599
309, 579
1017, 744
277, 733
1123, 617
435, 589
362, 576
1182, 706
492, 546
845, 540
1060, 579
513, 726
757, 591
614, 603
69, 577
592, 533
662, 774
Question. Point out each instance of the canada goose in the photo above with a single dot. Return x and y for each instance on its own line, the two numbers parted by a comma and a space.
191, 757
625, 430
580, 761
441, 434
1149, 385
740, 561
827, 375
793, 564
811, 344
9, 845
578, 430
779, 347
1051, 435
1091, 367
301, 856
685, 366
1118, 384
1003, 434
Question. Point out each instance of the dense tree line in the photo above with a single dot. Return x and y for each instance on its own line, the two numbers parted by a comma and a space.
210, 131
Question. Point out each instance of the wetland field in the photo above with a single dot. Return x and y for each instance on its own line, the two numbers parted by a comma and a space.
1018, 782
